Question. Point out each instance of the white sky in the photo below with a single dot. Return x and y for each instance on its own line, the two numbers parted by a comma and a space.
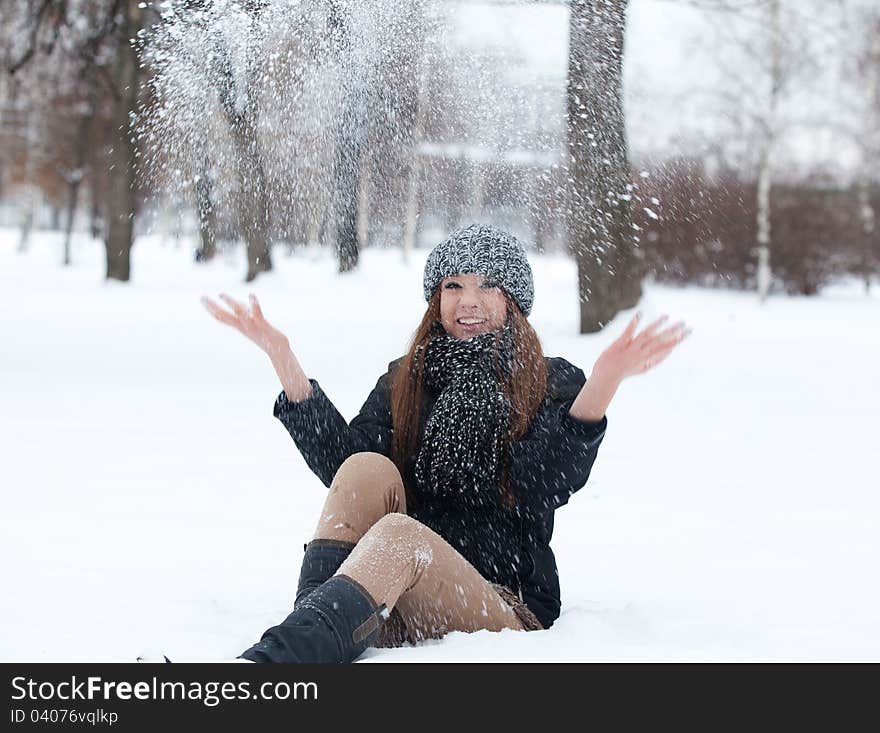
668, 53
658, 36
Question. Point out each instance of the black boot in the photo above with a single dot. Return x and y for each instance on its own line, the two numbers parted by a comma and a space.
335, 623
321, 561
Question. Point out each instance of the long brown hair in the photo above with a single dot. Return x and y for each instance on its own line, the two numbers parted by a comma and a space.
524, 390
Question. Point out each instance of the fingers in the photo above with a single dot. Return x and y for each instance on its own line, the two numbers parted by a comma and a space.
255, 307
240, 315
218, 312
240, 310
672, 335
658, 357
664, 344
631, 327
645, 336
650, 339
209, 304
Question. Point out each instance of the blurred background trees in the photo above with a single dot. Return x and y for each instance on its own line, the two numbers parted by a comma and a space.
73, 86
263, 126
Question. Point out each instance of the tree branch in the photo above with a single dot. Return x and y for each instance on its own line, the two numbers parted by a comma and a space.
31, 48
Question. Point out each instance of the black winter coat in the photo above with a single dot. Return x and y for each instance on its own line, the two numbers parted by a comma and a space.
545, 467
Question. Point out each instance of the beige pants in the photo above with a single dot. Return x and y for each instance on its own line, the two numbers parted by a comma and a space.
401, 562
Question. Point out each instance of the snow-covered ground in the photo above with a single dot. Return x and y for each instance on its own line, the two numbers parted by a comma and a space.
152, 503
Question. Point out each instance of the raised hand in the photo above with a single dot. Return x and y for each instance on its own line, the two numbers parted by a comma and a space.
250, 322
633, 353
629, 354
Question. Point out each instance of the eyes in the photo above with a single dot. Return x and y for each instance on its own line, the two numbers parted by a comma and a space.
488, 285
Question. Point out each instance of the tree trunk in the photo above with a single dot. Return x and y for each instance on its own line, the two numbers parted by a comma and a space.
207, 216
30, 198
411, 225
348, 144
764, 275
95, 219
122, 197
868, 221
415, 159
315, 227
72, 198
253, 199
346, 167
412, 204
363, 217
867, 183
241, 111
600, 225
477, 191
74, 181
27, 220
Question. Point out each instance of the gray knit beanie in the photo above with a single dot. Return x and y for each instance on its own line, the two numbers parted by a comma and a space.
481, 249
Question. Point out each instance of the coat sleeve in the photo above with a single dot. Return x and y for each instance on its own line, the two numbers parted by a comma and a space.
323, 436
554, 458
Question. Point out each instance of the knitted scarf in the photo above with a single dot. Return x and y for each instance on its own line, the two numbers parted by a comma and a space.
461, 452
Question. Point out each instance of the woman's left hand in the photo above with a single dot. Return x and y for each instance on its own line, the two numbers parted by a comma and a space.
630, 354
633, 353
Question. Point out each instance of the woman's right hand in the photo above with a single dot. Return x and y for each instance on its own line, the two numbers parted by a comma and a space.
250, 322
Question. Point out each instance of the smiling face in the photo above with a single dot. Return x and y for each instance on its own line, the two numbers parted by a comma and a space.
471, 305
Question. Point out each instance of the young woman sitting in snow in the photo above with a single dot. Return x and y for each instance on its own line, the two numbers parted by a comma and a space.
443, 488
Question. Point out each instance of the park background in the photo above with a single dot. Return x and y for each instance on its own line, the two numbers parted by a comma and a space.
717, 161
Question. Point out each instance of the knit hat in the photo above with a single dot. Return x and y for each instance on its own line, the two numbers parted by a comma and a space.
481, 249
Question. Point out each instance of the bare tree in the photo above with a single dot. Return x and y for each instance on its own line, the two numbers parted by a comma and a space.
226, 85
767, 144
415, 167
396, 124
206, 211
125, 24
97, 33
240, 104
76, 172
862, 38
288, 80
767, 54
600, 226
348, 138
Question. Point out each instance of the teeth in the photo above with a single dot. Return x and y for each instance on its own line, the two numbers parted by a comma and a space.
471, 321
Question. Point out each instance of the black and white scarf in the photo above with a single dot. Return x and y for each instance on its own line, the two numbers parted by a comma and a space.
465, 433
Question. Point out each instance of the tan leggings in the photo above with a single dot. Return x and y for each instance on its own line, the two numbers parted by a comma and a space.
401, 562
